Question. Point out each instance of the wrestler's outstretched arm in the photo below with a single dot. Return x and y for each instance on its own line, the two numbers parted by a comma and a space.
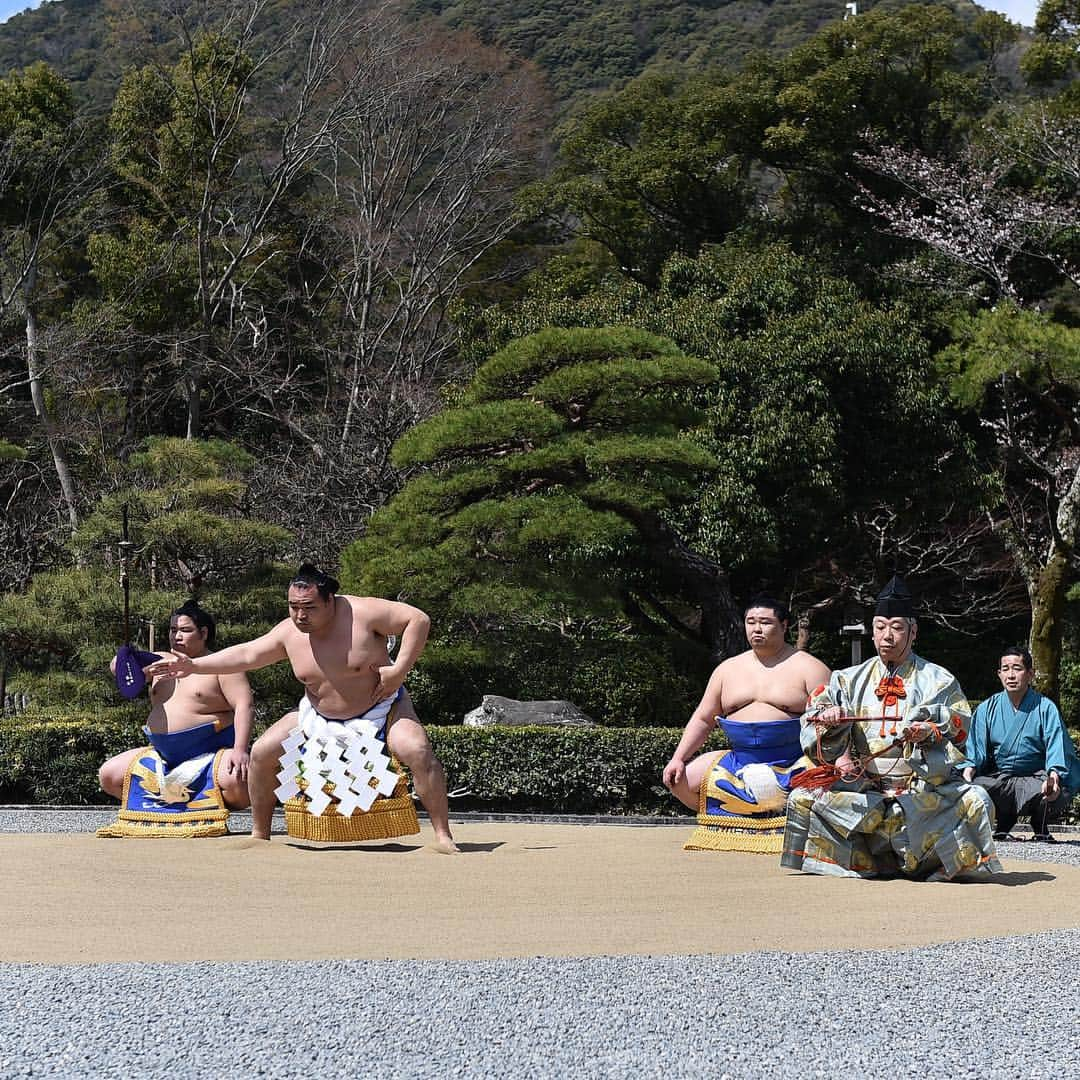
247, 656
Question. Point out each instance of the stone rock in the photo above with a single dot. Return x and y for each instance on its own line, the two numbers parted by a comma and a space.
500, 710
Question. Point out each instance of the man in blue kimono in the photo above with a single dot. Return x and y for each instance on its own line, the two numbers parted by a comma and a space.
1019, 751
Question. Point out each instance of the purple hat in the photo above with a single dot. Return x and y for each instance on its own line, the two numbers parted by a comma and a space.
129, 670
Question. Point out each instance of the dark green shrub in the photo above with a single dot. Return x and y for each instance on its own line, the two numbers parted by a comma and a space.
559, 770
65, 691
55, 758
619, 682
52, 758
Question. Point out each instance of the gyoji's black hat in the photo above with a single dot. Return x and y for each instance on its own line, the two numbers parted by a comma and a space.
895, 600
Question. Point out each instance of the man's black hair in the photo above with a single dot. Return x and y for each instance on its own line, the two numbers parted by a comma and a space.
765, 601
1022, 652
200, 617
310, 576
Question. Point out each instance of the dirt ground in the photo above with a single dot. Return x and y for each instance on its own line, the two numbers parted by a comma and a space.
516, 890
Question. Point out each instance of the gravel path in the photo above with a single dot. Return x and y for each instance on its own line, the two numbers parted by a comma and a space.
999, 1008
991, 1008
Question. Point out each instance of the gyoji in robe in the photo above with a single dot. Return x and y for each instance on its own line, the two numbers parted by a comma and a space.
884, 798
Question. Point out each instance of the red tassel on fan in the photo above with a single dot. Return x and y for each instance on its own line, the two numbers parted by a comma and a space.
820, 776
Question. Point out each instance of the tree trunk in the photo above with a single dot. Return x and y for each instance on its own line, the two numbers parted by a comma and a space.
1047, 593
1047, 587
693, 577
41, 408
134, 390
721, 622
700, 579
193, 389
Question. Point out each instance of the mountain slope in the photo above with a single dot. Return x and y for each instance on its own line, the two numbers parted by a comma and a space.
582, 47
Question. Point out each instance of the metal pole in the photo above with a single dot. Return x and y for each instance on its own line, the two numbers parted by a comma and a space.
125, 552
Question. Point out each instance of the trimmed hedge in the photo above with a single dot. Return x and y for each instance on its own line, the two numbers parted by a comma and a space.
45, 759
55, 760
560, 770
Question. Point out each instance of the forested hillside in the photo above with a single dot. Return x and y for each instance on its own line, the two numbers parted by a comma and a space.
582, 48
589, 47
575, 371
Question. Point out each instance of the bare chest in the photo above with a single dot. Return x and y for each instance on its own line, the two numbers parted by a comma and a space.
342, 658
184, 701
782, 687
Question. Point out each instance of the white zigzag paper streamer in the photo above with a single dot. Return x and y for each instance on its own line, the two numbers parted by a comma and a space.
348, 754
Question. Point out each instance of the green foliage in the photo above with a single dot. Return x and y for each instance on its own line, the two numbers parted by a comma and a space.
522, 366
562, 469
547, 500
995, 32
170, 136
816, 385
74, 616
1069, 702
894, 72
34, 102
730, 414
188, 526
482, 430
189, 534
37, 110
564, 770
1006, 341
1022, 373
617, 679
54, 758
585, 48
66, 691
1051, 60
581, 48
11, 452
140, 255
677, 160
662, 165
811, 376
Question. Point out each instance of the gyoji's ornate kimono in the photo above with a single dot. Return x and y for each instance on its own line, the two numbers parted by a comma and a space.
171, 786
742, 797
909, 812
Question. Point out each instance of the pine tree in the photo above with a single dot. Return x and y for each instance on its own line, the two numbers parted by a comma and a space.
545, 496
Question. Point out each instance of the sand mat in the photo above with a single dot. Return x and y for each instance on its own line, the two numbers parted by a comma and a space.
517, 890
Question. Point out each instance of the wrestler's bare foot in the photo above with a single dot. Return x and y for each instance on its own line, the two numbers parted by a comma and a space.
249, 842
444, 845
